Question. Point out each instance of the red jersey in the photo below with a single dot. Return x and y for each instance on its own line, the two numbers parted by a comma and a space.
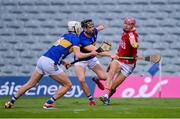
125, 49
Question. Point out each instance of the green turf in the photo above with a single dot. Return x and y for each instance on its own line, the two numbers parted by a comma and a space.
78, 108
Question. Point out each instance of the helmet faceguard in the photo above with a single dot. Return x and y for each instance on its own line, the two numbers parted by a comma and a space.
74, 26
129, 24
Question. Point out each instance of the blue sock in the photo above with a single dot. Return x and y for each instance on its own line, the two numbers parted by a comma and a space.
51, 100
90, 98
13, 99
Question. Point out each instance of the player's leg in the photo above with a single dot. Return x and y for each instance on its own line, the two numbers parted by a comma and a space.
80, 73
114, 67
101, 75
126, 70
66, 84
100, 72
116, 83
95, 66
56, 73
35, 77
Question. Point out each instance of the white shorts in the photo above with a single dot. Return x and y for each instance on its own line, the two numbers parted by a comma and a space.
126, 69
46, 66
91, 63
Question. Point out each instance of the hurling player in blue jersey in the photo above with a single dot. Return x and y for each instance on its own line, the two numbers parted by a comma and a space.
49, 64
87, 44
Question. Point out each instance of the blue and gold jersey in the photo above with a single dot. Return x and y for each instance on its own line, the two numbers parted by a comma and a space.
62, 47
86, 41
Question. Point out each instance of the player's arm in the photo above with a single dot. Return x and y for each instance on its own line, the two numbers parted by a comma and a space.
109, 54
133, 42
92, 47
100, 27
63, 62
66, 64
140, 58
80, 55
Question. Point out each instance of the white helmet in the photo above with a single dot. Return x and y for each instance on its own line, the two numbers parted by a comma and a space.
74, 26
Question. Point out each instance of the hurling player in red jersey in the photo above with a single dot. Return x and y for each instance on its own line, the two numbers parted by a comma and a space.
120, 69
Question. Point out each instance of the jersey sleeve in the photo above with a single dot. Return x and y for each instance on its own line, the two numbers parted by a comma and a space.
75, 41
131, 36
95, 31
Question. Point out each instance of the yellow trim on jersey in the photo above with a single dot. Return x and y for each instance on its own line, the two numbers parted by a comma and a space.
135, 45
76, 46
87, 46
94, 43
56, 43
90, 44
65, 43
71, 49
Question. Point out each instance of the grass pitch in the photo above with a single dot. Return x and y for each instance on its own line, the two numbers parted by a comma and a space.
27, 107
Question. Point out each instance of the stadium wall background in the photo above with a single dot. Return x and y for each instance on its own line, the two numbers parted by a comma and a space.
29, 27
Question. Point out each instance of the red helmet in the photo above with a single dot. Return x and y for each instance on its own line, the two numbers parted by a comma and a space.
130, 20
